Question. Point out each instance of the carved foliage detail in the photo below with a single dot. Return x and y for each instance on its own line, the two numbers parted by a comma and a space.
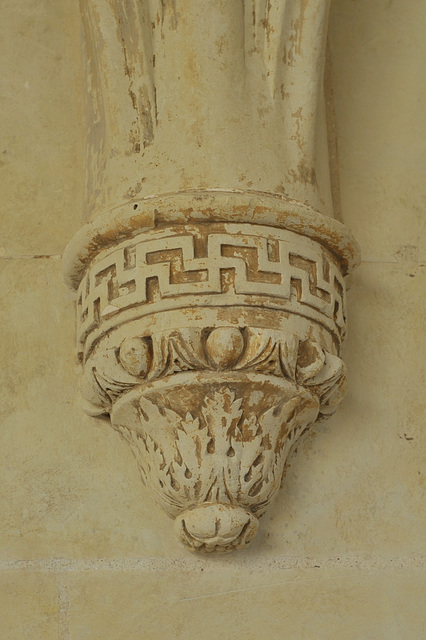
221, 455
273, 353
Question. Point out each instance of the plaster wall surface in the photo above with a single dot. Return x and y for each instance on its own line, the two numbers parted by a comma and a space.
84, 552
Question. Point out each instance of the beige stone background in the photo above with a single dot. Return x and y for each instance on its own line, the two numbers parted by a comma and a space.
84, 553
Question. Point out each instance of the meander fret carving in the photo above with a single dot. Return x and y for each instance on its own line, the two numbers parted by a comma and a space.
212, 411
245, 264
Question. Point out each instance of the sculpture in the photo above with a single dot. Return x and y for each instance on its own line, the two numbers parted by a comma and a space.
210, 275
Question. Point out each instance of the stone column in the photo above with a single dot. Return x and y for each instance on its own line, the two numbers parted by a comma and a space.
210, 272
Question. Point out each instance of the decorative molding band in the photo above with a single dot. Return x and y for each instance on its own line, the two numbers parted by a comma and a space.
211, 265
203, 206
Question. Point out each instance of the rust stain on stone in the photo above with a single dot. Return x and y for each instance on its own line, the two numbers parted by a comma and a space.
304, 174
168, 7
266, 22
138, 67
298, 26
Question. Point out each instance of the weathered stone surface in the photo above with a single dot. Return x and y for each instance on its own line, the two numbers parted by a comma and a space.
29, 606
255, 602
72, 508
211, 309
205, 95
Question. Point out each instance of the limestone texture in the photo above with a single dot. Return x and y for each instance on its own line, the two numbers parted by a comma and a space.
84, 551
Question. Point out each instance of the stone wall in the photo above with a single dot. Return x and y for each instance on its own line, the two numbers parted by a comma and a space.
84, 552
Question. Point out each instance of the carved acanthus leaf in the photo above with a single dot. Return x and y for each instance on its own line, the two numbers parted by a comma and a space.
222, 455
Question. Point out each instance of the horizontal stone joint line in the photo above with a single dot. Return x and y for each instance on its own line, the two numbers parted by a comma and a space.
69, 565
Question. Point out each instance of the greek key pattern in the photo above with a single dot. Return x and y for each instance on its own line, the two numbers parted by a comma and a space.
241, 267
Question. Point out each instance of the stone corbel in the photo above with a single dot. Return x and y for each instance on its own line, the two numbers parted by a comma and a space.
211, 310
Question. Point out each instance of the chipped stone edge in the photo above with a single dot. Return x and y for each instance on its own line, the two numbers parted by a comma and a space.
212, 205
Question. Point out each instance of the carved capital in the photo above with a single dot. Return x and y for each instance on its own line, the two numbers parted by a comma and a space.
213, 347
210, 274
